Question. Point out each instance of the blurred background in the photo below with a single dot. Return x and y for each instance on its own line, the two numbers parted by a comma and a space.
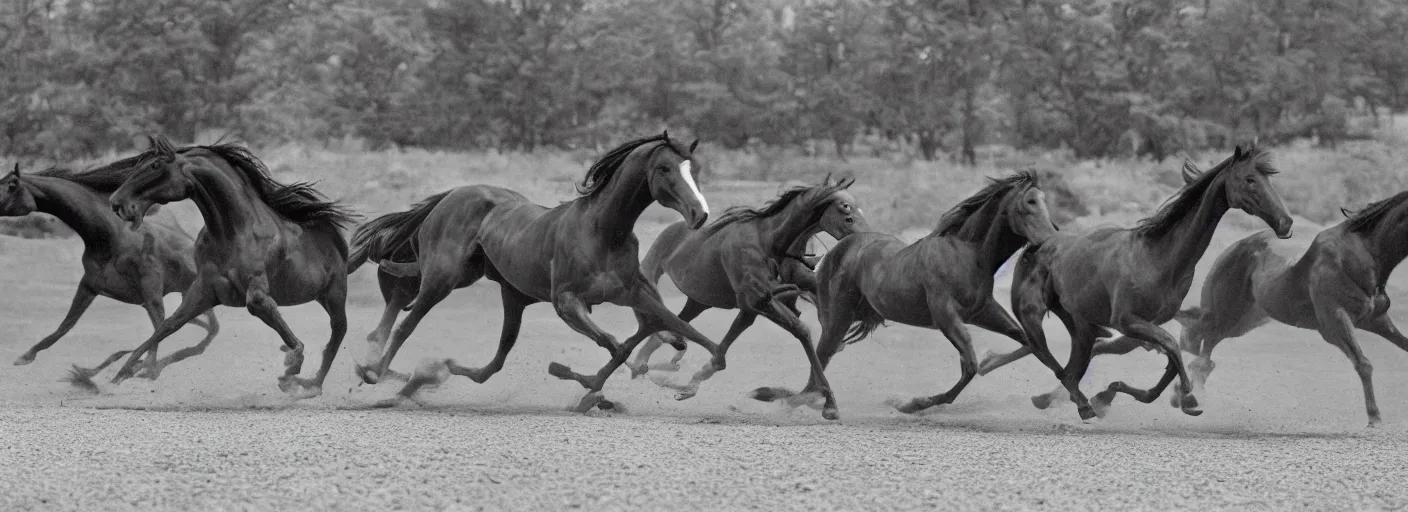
386, 101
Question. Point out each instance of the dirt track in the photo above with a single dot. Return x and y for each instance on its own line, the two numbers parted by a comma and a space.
1283, 428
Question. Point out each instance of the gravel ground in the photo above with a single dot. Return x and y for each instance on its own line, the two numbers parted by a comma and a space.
1284, 426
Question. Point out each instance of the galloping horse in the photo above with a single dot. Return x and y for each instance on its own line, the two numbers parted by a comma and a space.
265, 245
941, 281
737, 262
576, 255
1128, 281
1335, 286
135, 267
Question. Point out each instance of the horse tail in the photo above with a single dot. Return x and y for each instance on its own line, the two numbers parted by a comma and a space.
867, 321
390, 236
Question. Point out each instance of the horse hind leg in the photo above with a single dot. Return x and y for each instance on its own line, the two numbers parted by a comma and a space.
436, 284
397, 293
434, 373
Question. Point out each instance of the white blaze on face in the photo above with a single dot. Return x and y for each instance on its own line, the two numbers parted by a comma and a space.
685, 170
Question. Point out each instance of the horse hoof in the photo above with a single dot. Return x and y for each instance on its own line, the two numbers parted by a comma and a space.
684, 395
1041, 401
1086, 412
367, 374
769, 394
1189, 402
1192, 411
588, 402
24, 360
303, 391
830, 413
606, 405
560, 371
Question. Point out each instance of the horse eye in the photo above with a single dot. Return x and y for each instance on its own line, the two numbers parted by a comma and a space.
664, 169
1251, 181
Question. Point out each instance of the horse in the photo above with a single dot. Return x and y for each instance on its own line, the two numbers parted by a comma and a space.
135, 267
1334, 286
1127, 281
941, 281
576, 255
265, 244
736, 263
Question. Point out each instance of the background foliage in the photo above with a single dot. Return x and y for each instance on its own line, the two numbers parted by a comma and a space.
930, 78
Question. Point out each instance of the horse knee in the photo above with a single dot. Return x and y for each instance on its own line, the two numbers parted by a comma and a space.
1364, 369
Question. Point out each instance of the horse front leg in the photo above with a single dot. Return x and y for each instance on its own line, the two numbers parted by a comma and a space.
945, 316
82, 298
1149, 333
198, 299
573, 311
691, 310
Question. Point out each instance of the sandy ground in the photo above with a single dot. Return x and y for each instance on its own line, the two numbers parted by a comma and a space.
1284, 425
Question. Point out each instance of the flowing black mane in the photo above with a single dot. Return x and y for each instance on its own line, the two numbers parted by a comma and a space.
1369, 217
956, 216
298, 202
823, 192
1187, 198
106, 178
601, 172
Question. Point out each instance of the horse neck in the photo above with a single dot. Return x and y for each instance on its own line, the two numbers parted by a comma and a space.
226, 202
1181, 246
992, 233
612, 212
84, 211
791, 227
1387, 244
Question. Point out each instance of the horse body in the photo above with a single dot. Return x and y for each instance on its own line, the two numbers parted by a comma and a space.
941, 282
574, 256
264, 245
747, 260
1128, 281
134, 267
1334, 286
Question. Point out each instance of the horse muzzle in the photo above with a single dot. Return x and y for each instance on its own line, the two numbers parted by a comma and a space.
1283, 227
130, 212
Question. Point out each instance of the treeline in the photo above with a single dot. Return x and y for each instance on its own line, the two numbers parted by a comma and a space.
937, 77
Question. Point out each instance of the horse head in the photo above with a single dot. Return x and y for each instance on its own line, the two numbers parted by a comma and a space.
16, 199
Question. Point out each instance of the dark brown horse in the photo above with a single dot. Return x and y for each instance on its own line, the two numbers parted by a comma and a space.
1334, 287
1131, 280
265, 245
136, 267
737, 261
574, 256
942, 281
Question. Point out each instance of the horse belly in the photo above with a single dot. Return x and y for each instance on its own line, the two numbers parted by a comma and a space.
900, 300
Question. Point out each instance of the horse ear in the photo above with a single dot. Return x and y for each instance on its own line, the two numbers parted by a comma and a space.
1190, 171
1238, 153
693, 145
1345, 212
847, 182
16, 172
827, 181
666, 135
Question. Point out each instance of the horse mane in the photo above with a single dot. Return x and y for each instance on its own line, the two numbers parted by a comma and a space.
298, 202
1369, 217
1186, 199
824, 192
953, 220
105, 178
601, 172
